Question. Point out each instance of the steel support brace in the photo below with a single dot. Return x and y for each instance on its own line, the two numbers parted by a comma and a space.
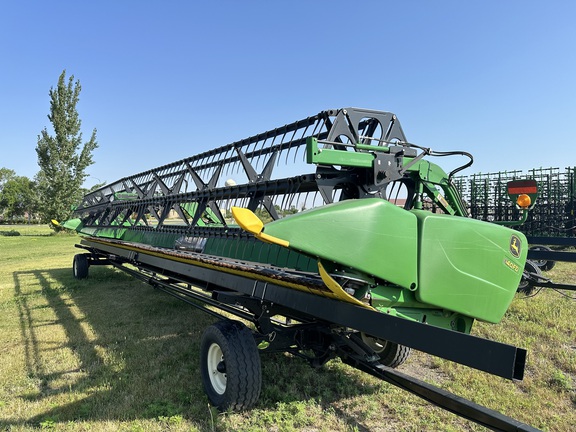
446, 400
493, 357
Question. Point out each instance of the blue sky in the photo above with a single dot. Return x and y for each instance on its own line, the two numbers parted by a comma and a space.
162, 81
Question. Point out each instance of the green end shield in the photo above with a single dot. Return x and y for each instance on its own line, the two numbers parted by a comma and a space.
469, 266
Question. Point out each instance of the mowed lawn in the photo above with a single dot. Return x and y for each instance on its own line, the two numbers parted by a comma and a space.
109, 353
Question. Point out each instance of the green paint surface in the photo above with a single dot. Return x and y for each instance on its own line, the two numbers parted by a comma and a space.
468, 266
371, 236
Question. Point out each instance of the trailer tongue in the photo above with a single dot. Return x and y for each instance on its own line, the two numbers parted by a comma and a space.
333, 236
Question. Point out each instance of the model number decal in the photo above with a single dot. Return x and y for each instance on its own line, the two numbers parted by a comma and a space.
511, 265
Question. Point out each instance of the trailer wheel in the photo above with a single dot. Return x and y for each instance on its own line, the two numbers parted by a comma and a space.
545, 265
527, 283
391, 354
80, 266
230, 366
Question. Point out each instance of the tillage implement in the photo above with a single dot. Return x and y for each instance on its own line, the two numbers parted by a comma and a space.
331, 236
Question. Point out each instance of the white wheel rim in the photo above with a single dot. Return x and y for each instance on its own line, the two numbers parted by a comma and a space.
377, 345
217, 379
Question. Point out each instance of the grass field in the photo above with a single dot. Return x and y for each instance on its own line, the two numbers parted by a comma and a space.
109, 353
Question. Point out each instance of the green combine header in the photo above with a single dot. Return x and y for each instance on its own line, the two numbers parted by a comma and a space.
333, 236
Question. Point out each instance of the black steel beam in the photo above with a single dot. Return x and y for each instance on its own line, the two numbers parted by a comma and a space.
556, 286
446, 400
556, 241
493, 357
552, 255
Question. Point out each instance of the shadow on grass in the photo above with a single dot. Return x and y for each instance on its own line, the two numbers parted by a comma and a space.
26, 231
111, 348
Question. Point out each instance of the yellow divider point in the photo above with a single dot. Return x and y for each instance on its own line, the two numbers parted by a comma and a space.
248, 221
337, 290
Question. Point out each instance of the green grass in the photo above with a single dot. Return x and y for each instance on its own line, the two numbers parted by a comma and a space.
109, 353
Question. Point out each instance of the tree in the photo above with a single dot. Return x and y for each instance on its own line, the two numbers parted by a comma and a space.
5, 175
62, 158
18, 198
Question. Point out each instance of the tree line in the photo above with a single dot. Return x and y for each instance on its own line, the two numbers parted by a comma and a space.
63, 159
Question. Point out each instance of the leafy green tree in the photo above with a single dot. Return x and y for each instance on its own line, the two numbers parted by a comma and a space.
62, 158
5, 175
18, 198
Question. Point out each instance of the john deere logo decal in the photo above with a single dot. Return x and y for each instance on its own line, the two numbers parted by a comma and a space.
515, 246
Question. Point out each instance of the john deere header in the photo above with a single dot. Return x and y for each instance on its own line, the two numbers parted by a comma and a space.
339, 204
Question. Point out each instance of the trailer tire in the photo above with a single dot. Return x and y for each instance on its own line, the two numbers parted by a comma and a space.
545, 265
80, 266
526, 285
391, 354
230, 366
